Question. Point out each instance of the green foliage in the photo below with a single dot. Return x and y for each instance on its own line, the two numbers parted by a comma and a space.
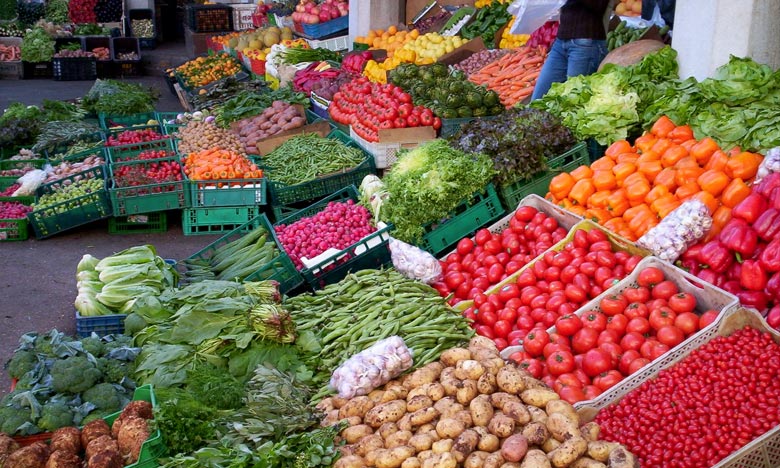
119, 98
187, 423
104, 396
73, 375
57, 11
7, 10
249, 103
55, 415
37, 46
21, 363
215, 387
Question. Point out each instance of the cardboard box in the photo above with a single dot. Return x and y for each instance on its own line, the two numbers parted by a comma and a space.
414, 6
269, 144
463, 52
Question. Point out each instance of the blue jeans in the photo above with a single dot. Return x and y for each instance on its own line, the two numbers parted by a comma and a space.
569, 57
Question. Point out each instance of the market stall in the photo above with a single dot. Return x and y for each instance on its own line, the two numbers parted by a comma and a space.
417, 267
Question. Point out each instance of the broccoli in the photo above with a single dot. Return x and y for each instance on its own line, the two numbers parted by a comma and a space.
114, 370
27, 381
73, 375
12, 418
119, 341
92, 345
44, 345
97, 414
55, 416
104, 396
21, 363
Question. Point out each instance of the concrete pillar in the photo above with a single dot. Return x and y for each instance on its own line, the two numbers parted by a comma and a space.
373, 14
707, 32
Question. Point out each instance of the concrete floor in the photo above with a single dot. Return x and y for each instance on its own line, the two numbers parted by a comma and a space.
37, 278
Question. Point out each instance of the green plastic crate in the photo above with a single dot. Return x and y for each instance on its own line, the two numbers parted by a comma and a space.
101, 151
150, 197
138, 224
197, 221
49, 221
110, 121
125, 152
92, 138
7, 181
154, 446
482, 209
512, 194
595, 150
9, 151
168, 128
14, 229
234, 192
371, 252
280, 269
285, 195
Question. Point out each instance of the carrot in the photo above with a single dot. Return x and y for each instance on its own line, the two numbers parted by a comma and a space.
513, 76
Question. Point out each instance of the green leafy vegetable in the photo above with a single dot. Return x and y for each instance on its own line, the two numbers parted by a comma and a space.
119, 98
249, 103
37, 46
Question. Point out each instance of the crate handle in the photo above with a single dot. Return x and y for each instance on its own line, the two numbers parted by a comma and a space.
693, 281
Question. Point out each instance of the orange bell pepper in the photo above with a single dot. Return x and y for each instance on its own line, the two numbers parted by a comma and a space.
637, 192
681, 134
658, 191
666, 178
561, 184
686, 191
598, 215
582, 172
665, 205
604, 180
617, 203
719, 219
744, 165
708, 199
623, 170
713, 181
703, 150
672, 155
662, 126
581, 191
627, 158
618, 147
603, 163
599, 199
717, 161
650, 169
645, 142
686, 175
735, 192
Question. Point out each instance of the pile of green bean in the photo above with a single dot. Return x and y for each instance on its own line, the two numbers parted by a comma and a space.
309, 156
346, 317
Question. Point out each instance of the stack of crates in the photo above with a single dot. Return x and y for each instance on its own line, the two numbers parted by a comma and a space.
223, 205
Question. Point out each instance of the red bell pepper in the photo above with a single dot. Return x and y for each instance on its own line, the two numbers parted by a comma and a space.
750, 208
755, 299
767, 226
692, 253
731, 286
710, 276
770, 256
753, 276
739, 237
768, 184
735, 271
773, 286
716, 256
773, 317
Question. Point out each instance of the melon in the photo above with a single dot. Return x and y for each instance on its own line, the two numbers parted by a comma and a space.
632, 53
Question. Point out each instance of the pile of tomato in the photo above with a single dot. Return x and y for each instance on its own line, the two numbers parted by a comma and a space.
556, 285
488, 258
369, 107
707, 406
129, 137
151, 172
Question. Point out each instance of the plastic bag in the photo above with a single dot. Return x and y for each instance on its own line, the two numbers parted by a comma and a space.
532, 14
770, 164
374, 194
682, 228
371, 368
413, 262
30, 182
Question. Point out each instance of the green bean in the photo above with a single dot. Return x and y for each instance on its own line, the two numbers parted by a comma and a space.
307, 157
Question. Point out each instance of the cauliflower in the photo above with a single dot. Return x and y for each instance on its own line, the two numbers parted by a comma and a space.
55, 416
73, 375
104, 396
114, 370
92, 345
21, 363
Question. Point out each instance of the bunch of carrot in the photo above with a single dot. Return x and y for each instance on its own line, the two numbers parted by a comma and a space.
219, 164
514, 75
631, 188
9, 53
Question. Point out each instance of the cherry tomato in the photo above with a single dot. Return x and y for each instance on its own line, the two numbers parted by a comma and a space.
515, 337
682, 302
584, 340
575, 293
560, 362
525, 322
482, 236
649, 277
500, 343
485, 330
580, 239
507, 314
588, 268
596, 361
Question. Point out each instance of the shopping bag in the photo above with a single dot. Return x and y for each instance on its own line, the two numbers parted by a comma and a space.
532, 14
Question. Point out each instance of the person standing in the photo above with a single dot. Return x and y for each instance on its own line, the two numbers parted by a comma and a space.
581, 44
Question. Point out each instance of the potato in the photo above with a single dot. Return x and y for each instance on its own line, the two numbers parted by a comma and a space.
449, 428
622, 458
421, 442
451, 356
423, 416
486, 384
394, 457
441, 460
475, 460
481, 410
499, 399
538, 397
425, 454
514, 447
563, 407
435, 391
347, 450
369, 444
357, 406
494, 460
501, 425
424, 375
418, 402
510, 465
445, 405
354, 420
493, 364
338, 402
568, 452
442, 446
517, 411
531, 382
535, 459
331, 418
586, 462
376, 396
355, 433
448, 380
467, 392
429, 427
590, 431
465, 443
398, 390
599, 450
405, 423
536, 433
398, 439
509, 379
480, 342
413, 462
387, 429
469, 369
391, 411
550, 444
464, 416
537, 414
561, 427
350, 461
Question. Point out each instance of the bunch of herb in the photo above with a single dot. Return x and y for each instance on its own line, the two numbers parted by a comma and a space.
214, 387
247, 104
57, 11
90, 29
428, 182
7, 10
188, 423
63, 111
37, 46
119, 98
519, 142
58, 133
224, 90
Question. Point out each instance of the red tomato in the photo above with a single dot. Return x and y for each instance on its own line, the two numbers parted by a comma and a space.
502, 328
662, 317
707, 318
479, 299
482, 236
682, 302
596, 361
631, 263
500, 343
486, 315
632, 340
688, 322
650, 276
549, 319
508, 291
560, 362
533, 367
535, 341
607, 380
596, 235
571, 394
580, 239
626, 359
670, 336
613, 304
525, 322
608, 336
454, 279
568, 325
465, 246
486, 331
640, 294
617, 323
658, 350
595, 320
591, 391
636, 309
550, 348
614, 350
639, 325
508, 314
495, 273
647, 348
516, 337
567, 379
664, 290
637, 364
584, 340
575, 293
588, 268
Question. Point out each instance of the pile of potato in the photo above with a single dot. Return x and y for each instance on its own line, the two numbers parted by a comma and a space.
280, 117
97, 444
200, 135
469, 409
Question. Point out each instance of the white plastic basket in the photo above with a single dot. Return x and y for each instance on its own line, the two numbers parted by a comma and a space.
336, 44
762, 452
385, 154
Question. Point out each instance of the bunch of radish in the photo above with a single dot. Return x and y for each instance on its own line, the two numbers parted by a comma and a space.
13, 210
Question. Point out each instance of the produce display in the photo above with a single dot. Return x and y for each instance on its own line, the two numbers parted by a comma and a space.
623, 34
67, 168
118, 98
127, 56
631, 188
102, 53
310, 12
481, 59
337, 226
356, 61
66, 53
602, 347
280, 117
468, 409
629, 7
10, 53
322, 78
248, 103
219, 164
37, 46
513, 76
434, 22
82, 11
551, 287
63, 381
423, 50
202, 71
390, 40
258, 41
129, 137
199, 135
293, 55
512, 41
307, 157
448, 95
142, 28
486, 23
757, 354
68, 197
13, 210
544, 36
150, 173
